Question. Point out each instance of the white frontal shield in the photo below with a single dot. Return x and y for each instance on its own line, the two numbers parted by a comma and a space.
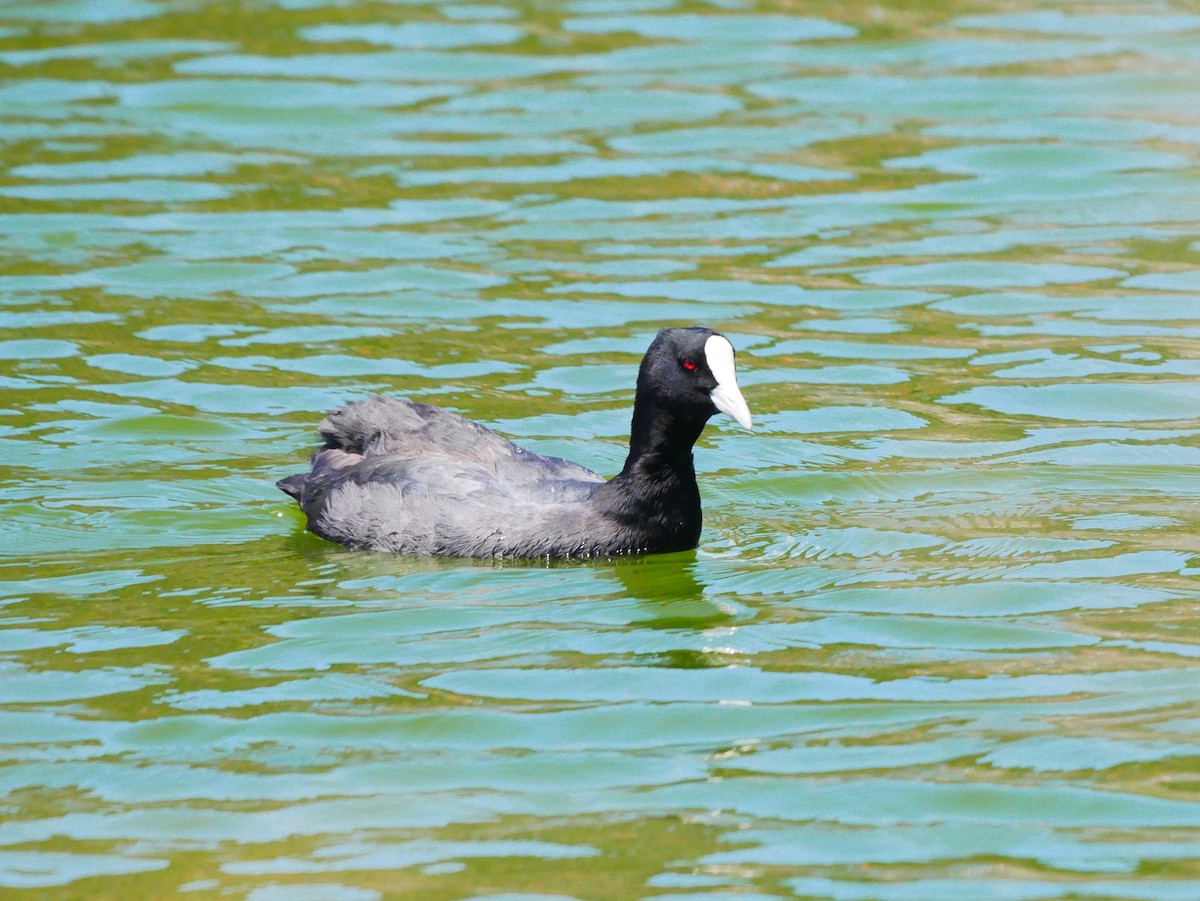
726, 397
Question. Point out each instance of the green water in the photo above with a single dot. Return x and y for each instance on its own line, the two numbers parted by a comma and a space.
939, 639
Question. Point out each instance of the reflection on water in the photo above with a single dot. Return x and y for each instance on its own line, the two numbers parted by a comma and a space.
939, 638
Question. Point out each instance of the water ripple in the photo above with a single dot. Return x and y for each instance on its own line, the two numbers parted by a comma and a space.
938, 639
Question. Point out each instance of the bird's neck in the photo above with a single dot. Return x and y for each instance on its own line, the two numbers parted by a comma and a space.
660, 442
655, 499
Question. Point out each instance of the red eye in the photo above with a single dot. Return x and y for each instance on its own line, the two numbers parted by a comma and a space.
689, 365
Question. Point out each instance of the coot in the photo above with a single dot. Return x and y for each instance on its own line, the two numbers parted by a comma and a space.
416, 479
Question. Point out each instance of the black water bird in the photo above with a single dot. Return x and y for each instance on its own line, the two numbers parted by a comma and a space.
412, 478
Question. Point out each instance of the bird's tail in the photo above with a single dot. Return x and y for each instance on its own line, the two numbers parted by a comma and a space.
326, 464
293, 485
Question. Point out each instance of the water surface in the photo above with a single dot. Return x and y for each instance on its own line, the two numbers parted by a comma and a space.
938, 641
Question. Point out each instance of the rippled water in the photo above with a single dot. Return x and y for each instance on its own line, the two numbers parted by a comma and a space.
938, 641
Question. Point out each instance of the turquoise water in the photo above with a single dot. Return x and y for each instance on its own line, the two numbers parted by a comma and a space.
939, 639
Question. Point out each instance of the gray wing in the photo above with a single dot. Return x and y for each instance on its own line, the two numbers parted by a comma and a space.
414, 478
441, 507
401, 429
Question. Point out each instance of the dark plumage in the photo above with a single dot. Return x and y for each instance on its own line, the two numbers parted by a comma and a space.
416, 479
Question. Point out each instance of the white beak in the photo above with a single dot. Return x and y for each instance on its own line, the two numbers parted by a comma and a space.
726, 397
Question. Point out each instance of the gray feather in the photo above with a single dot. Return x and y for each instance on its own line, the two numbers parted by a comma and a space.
416, 479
